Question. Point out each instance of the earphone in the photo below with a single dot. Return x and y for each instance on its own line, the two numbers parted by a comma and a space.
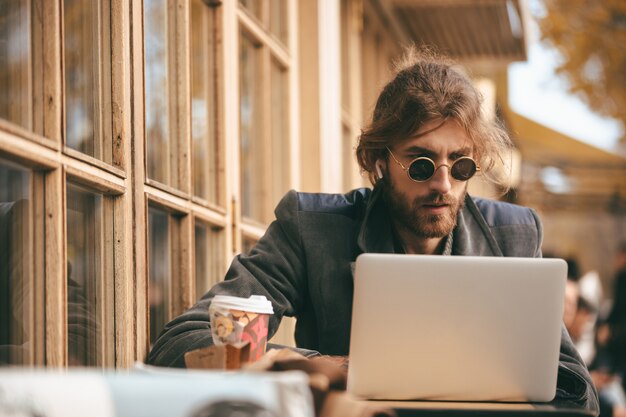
379, 171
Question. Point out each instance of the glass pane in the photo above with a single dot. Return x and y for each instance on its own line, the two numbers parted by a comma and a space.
85, 287
16, 287
278, 19
159, 258
253, 6
252, 172
156, 89
15, 62
209, 256
205, 154
280, 133
88, 77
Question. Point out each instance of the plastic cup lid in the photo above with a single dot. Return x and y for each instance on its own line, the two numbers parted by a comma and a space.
253, 304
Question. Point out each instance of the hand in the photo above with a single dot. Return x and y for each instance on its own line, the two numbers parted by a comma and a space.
341, 361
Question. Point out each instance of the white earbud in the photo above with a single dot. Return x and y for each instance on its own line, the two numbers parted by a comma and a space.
379, 171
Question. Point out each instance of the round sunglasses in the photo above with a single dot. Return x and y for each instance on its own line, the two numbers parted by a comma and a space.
423, 168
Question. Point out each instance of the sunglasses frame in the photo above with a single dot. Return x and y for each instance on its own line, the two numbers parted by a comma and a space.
406, 169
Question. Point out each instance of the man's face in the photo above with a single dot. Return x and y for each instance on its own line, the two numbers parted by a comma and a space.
428, 209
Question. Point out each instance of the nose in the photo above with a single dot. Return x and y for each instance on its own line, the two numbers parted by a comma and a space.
440, 181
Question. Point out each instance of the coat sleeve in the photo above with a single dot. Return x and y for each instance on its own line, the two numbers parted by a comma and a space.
273, 268
573, 381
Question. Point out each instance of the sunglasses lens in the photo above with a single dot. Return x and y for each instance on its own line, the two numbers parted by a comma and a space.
421, 169
463, 169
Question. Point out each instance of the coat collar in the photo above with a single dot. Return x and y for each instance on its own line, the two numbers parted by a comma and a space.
472, 236
376, 233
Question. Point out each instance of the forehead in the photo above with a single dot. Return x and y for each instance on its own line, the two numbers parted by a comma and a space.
439, 137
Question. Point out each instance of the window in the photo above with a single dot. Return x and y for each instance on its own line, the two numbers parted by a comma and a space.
20, 54
89, 290
162, 156
254, 7
252, 171
209, 256
271, 15
160, 271
17, 329
264, 112
351, 17
207, 147
266, 115
87, 55
279, 158
142, 145
278, 19
185, 179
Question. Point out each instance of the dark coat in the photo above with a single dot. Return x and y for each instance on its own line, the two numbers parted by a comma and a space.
303, 266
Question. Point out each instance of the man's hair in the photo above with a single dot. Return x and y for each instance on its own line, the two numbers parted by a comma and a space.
429, 87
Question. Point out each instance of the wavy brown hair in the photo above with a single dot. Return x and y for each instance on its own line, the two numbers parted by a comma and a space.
430, 87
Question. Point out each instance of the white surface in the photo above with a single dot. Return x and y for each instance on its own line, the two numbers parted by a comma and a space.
456, 328
253, 304
54, 394
153, 392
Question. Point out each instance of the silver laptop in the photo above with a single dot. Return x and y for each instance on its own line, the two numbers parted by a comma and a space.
456, 328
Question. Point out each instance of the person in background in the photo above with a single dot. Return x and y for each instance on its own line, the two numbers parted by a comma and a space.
616, 320
584, 315
428, 136
604, 376
572, 293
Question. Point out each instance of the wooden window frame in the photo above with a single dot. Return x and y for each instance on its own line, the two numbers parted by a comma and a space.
179, 202
123, 183
53, 165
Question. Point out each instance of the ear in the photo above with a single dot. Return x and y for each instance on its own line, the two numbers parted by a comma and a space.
379, 169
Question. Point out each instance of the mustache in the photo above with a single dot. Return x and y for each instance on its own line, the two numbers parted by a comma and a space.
437, 199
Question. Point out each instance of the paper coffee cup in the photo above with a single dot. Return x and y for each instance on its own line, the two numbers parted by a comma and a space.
235, 320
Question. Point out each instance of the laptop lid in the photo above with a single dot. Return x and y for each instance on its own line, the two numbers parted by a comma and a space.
456, 327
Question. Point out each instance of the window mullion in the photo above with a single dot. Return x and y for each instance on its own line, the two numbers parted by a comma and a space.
37, 76
39, 268
182, 77
52, 63
171, 173
55, 269
107, 225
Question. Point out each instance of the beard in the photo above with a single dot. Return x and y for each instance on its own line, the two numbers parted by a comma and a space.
410, 215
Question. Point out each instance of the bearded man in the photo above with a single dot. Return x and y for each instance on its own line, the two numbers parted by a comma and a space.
427, 138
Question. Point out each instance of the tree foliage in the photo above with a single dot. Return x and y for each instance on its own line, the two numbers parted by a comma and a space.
591, 37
